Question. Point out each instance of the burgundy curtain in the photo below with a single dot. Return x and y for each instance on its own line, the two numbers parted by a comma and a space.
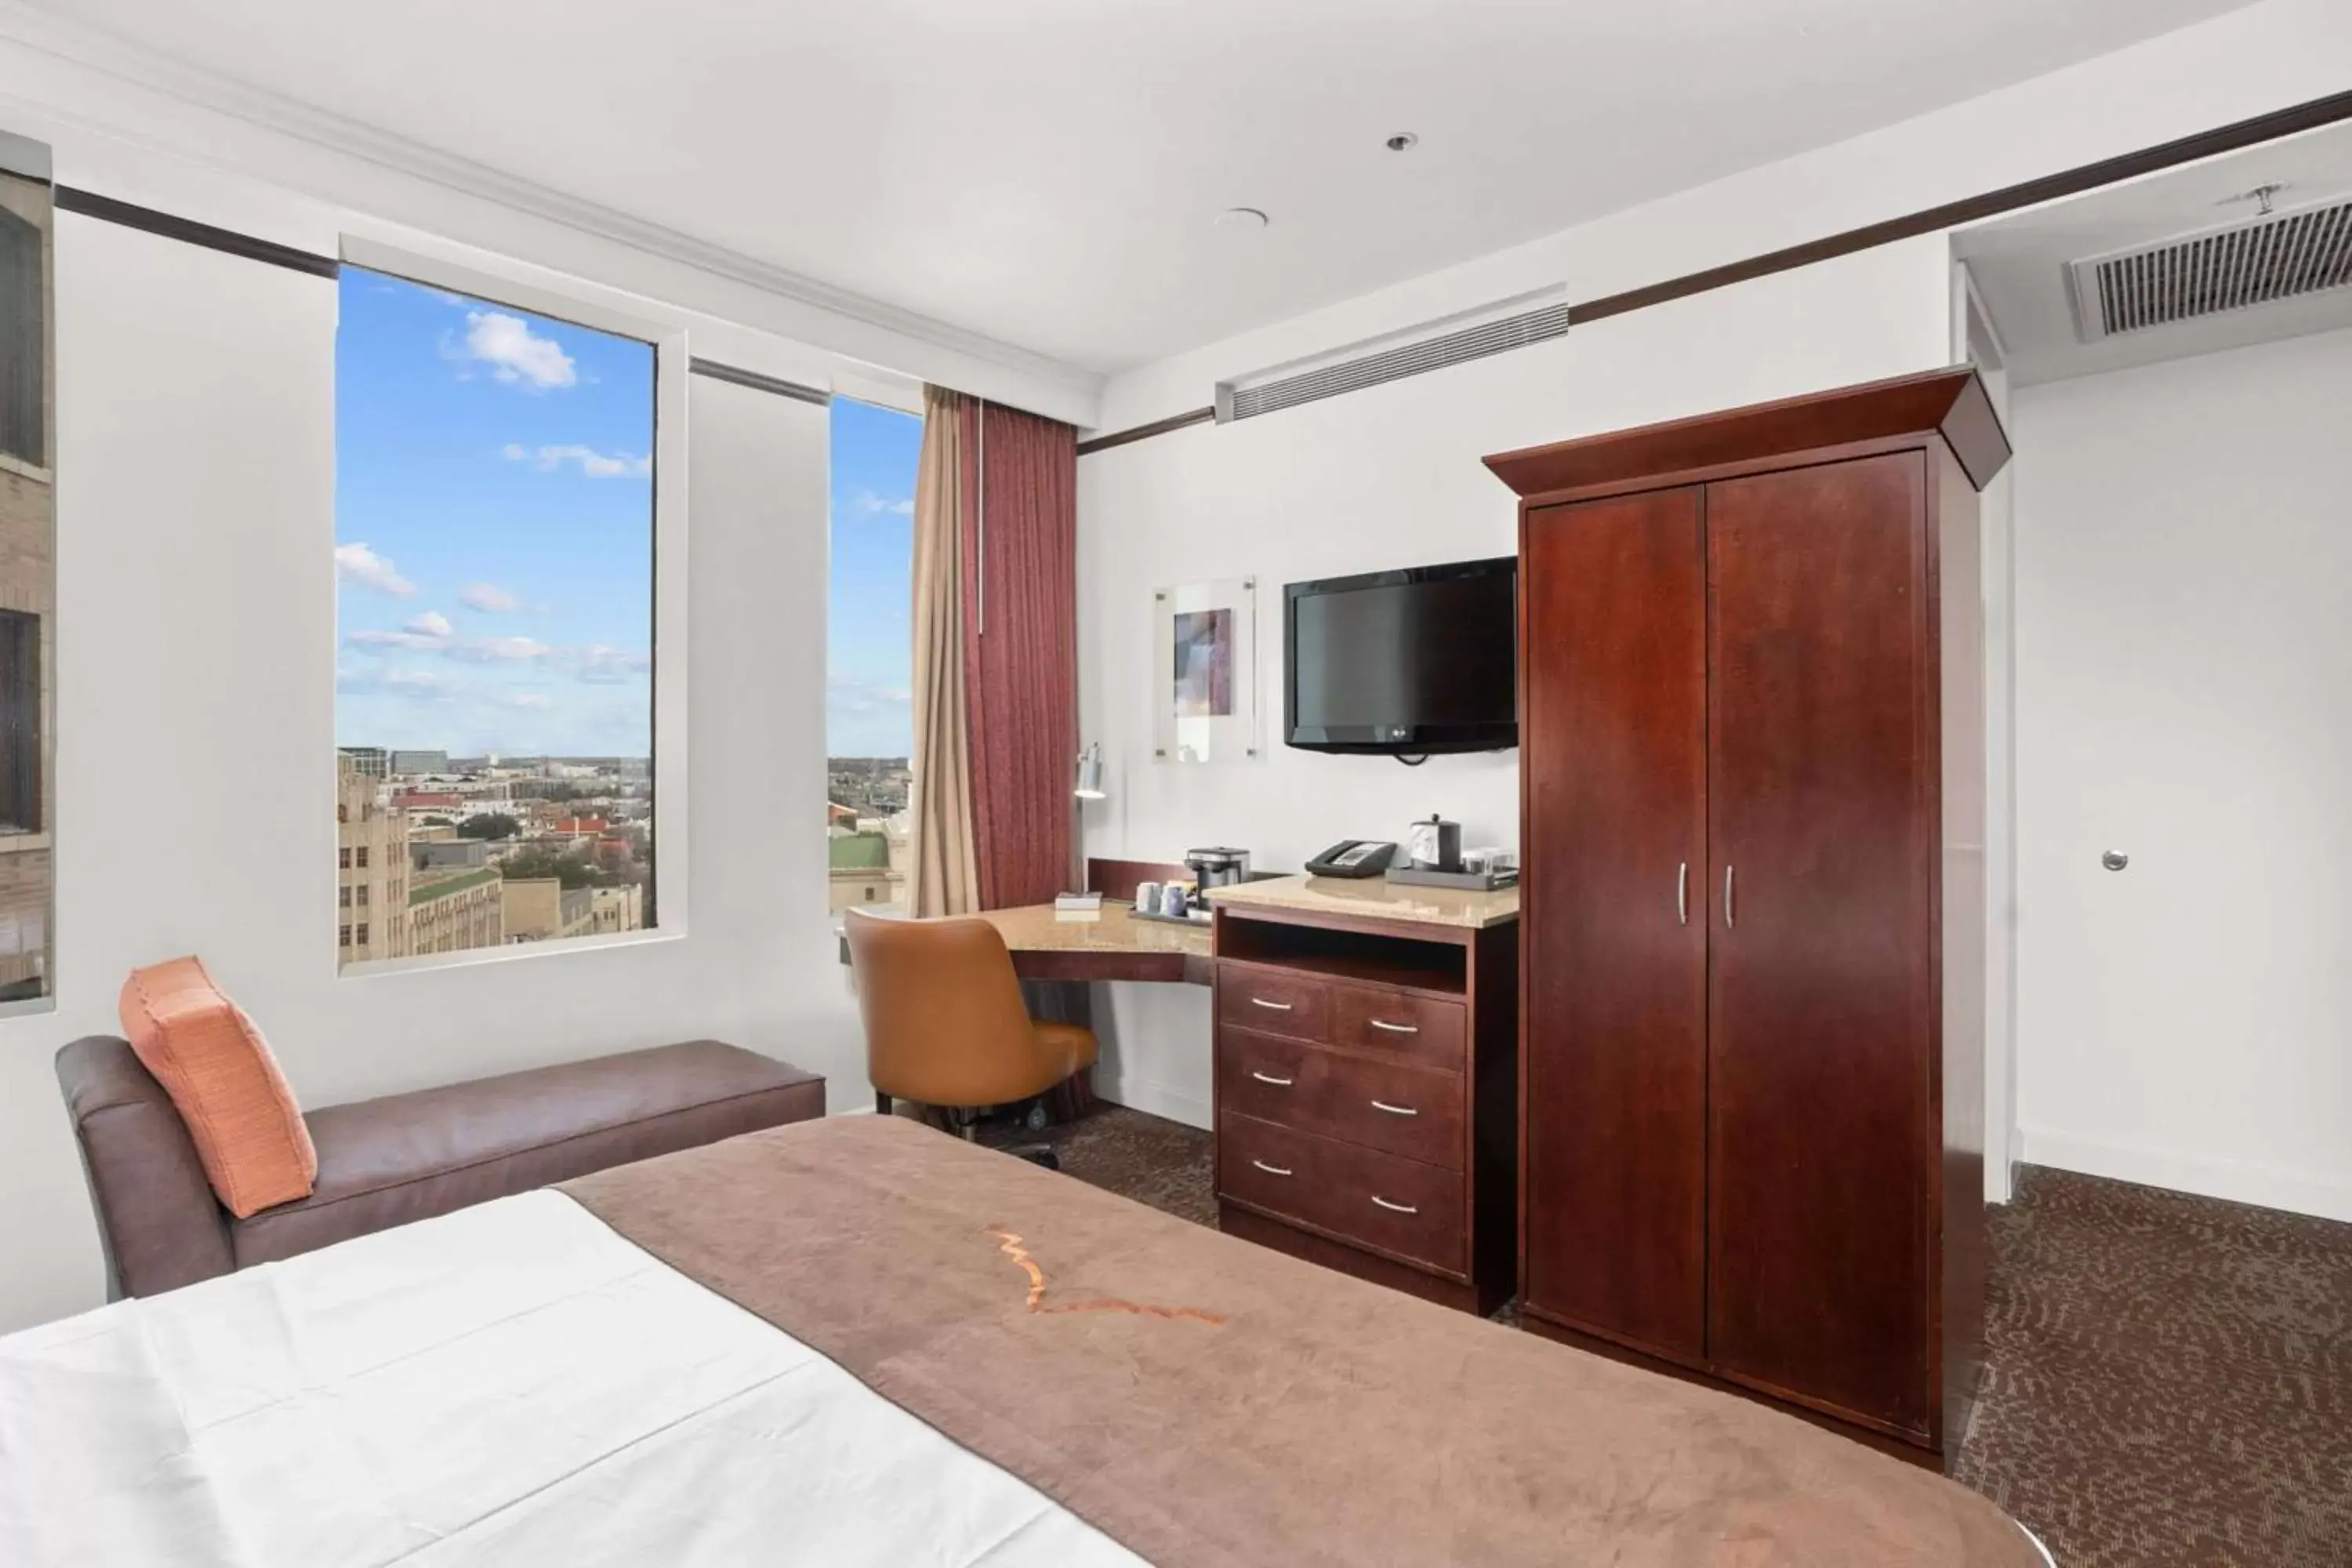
1020, 648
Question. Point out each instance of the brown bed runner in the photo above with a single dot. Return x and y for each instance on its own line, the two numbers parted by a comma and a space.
1206, 1402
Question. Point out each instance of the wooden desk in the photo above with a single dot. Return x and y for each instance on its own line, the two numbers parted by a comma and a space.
1116, 947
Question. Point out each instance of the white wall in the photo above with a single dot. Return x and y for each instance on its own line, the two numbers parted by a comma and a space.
195, 647
2184, 695
197, 733
1391, 477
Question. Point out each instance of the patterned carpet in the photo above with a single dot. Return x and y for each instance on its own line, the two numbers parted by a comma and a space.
2168, 1378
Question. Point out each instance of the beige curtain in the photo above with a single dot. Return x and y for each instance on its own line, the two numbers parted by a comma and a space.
947, 871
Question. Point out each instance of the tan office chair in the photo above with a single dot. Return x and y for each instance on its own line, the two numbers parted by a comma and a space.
945, 1025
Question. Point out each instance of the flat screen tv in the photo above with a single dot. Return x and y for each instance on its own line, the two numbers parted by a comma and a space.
1404, 663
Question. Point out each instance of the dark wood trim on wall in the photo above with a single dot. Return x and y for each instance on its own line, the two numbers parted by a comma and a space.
1974, 209
1143, 432
2231, 138
106, 209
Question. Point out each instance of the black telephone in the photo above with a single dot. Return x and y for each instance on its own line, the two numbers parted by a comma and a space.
1352, 857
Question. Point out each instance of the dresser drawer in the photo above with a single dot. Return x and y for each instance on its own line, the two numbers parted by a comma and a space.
1402, 1110
1278, 1001
1422, 1027
1401, 1207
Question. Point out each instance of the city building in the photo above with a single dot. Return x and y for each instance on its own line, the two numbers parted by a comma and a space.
27, 593
420, 762
371, 869
541, 908
450, 853
616, 909
368, 761
867, 869
451, 913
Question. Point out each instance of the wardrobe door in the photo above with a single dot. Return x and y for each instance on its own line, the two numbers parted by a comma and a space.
1614, 773
1819, 799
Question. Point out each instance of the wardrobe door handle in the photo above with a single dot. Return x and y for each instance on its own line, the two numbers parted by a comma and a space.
1394, 1028
1682, 893
1394, 1110
1394, 1208
1727, 898
1274, 1006
1269, 1077
1269, 1170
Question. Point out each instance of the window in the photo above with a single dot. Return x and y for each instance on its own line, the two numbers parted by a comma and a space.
23, 370
343, 858
494, 523
20, 722
28, 589
869, 652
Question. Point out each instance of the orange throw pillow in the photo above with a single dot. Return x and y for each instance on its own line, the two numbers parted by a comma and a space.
217, 1069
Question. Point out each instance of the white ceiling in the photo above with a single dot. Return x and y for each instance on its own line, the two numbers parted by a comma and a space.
1045, 172
2019, 262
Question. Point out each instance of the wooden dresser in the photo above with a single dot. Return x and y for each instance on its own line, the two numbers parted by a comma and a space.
1367, 1082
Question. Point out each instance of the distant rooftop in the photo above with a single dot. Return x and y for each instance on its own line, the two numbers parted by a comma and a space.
442, 887
858, 852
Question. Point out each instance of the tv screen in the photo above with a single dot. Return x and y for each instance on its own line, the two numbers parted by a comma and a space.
1405, 662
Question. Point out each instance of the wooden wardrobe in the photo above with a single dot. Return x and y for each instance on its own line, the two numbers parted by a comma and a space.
1752, 895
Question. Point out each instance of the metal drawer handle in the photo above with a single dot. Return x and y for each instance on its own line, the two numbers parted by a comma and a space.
1278, 1006
1275, 1170
1682, 893
1726, 898
1394, 1208
1269, 1077
1394, 1110
1394, 1028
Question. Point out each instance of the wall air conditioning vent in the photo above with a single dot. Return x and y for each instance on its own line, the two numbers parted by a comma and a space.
1511, 325
2257, 262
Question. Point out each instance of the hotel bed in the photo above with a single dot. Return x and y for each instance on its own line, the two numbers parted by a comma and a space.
857, 1341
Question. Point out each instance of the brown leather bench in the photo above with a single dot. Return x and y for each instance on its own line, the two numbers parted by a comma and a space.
383, 1163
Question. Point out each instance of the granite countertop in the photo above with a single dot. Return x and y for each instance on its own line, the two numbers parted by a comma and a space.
1375, 898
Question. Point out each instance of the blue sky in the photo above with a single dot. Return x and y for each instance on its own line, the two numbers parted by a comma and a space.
493, 527
869, 633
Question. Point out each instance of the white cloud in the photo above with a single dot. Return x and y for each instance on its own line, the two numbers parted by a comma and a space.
593, 464
868, 504
503, 649
421, 683
424, 642
515, 353
485, 597
431, 624
602, 664
358, 564
527, 701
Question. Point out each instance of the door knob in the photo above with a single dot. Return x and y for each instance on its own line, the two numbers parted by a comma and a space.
2115, 859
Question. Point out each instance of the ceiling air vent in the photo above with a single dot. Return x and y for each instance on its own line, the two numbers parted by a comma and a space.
2256, 262
1510, 324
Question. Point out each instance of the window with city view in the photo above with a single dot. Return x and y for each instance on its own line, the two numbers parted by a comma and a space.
869, 651
494, 557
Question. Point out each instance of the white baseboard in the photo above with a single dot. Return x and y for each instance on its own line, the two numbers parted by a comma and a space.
2238, 1181
1155, 1099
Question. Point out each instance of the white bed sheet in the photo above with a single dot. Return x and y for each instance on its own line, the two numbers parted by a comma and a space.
513, 1384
